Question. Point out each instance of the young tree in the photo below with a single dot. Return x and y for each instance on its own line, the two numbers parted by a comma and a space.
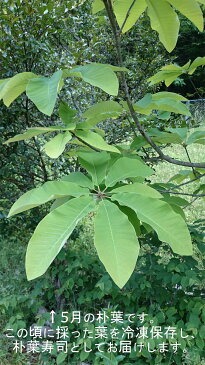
115, 189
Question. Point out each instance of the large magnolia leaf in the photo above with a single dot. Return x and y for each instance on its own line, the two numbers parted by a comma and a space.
101, 111
126, 167
43, 92
165, 21
33, 132
95, 140
98, 75
55, 147
190, 9
52, 232
141, 189
170, 227
128, 12
166, 94
116, 242
16, 86
78, 178
48, 191
67, 114
95, 163
169, 102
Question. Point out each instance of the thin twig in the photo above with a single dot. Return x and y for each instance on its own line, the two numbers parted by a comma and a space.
177, 193
188, 182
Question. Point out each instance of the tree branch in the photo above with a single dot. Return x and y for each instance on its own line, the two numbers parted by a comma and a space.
188, 182
116, 33
174, 192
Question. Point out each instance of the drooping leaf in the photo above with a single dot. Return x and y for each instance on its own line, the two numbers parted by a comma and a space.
116, 242
78, 178
95, 140
191, 10
33, 132
52, 232
55, 147
199, 61
43, 92
67, 114
170, 227
48, 191
128, 12
16, 86
141, 189
165, 21
126, 167
95, 163
168, 74
98, 75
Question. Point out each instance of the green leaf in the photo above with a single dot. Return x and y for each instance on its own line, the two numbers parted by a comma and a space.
199, 61
48, 191
116, 242
171, 105
170, 227
195, 137
165, 21
67, 114
33, 132
43, 92
3, 82
168, 74
52, 232
61, 358
15, 86
78, 178
98, 75
166, 94
60, 201
97, 6
123, 8
191, 10
95, 140
138, 188
133, 218
55, 147
95, 163
102, 111
125, 168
